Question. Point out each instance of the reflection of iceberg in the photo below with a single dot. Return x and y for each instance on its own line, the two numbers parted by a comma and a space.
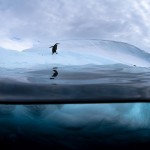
77, 52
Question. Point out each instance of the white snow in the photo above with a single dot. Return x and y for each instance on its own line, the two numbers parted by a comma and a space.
76, 52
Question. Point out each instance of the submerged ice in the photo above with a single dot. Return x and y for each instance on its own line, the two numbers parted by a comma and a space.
77, 126
76, 52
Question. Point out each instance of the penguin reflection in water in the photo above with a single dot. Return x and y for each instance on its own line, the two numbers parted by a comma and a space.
54, 48
55, 74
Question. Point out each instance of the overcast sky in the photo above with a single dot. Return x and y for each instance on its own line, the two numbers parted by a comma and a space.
25, 22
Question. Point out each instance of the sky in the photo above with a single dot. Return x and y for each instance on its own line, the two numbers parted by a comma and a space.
24, 23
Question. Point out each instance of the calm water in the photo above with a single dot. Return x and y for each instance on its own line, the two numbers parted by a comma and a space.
75, 83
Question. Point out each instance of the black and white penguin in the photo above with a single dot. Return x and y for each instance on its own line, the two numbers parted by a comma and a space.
54, 48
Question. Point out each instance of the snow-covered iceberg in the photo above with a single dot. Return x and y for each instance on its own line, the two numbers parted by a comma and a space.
77, 52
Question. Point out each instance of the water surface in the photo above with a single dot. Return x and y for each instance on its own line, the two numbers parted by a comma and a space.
97, 82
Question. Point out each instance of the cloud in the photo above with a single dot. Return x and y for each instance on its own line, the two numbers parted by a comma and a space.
46, 20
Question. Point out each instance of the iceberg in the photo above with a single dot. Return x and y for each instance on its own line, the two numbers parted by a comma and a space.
76, 52
86, 69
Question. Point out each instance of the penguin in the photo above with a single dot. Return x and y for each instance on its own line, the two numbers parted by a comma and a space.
54, 48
